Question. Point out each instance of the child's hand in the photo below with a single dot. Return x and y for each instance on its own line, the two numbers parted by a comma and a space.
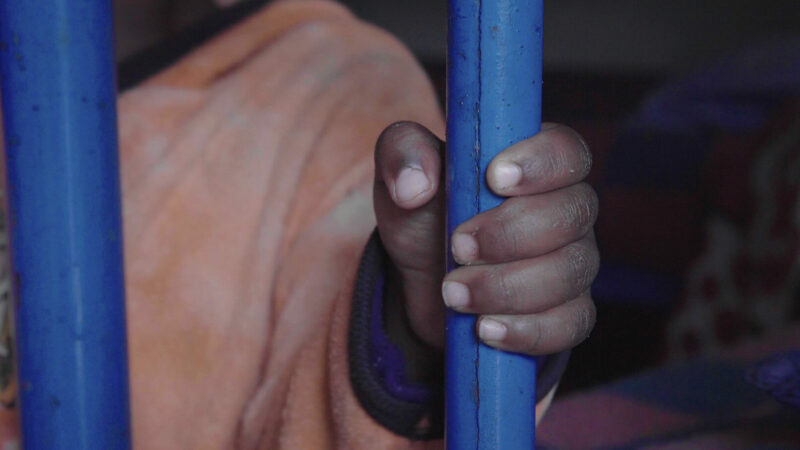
528, 264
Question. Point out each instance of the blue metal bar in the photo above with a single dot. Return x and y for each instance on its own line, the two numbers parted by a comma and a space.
493, 101
59, 110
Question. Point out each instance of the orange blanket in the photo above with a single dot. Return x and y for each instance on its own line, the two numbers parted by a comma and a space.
246, 174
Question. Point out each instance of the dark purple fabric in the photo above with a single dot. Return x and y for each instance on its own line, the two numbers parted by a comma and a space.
387, 360
377, 368
733, 93
780, 376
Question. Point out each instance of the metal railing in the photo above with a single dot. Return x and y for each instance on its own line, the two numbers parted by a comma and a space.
493, 100
59, 110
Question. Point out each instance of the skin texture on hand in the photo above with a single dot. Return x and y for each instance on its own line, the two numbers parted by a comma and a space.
527, 264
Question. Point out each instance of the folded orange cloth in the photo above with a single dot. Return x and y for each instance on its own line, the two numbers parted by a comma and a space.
247, 172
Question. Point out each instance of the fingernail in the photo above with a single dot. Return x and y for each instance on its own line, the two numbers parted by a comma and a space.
507, 175
465, 248
410, 184
456, 295
492, 330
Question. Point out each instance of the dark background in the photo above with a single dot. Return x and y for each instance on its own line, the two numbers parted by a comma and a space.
650, 36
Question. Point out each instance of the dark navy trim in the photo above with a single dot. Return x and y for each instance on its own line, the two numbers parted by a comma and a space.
386, 359
413, 411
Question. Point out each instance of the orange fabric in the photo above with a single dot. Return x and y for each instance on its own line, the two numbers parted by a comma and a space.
247, 172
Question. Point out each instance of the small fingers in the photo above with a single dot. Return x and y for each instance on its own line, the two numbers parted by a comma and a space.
408, 163
550, 332
524, 287
526, 227
556, 157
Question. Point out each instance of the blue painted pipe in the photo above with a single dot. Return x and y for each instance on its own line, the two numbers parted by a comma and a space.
493, 100
59, 111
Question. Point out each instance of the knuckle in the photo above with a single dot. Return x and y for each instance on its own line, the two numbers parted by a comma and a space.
508, 226
501, 236
396, 136
569, 154
578, 211
388, 136
584, 160
591, 204
501, 287
580, 265
534, 335
583, 322
542, 162
560, 153
480, 279
555, 162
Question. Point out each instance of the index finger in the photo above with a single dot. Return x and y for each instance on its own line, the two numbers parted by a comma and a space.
556, 157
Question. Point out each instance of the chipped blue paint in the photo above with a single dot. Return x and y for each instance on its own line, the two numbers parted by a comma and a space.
493, 101
59, 111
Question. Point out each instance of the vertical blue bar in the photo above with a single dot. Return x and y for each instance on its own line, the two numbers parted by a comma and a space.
59, 110
493, 101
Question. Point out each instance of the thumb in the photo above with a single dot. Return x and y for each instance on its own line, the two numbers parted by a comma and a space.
409, 206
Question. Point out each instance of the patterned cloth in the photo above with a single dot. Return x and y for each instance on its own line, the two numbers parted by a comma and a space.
746, 281
707, 177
